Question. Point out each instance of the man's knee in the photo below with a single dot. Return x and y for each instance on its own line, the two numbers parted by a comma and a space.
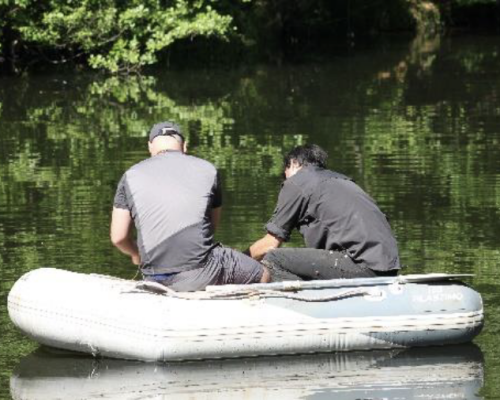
277, 273
274, 258
268, 257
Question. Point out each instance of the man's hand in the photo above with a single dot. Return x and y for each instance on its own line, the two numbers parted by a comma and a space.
260, 248
136, 259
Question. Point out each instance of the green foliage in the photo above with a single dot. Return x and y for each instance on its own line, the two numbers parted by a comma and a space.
127, 35
119, 36
122, 36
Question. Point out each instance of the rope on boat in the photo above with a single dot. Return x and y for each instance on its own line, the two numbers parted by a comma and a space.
157, 288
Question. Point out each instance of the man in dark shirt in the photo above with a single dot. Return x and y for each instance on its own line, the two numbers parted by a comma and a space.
346, 234
175, 201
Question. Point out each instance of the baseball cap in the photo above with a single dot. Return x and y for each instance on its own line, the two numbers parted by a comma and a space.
166, 128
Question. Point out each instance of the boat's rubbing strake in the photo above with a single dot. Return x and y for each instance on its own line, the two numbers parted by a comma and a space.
339, 283
357, 287
245, 292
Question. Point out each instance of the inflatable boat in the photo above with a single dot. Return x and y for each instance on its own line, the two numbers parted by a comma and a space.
444, 372
117, 318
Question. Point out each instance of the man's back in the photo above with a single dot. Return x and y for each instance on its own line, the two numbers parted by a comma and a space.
170, 197
338, 215
175, 202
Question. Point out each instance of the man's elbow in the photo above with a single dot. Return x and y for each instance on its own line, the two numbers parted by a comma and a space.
117, 239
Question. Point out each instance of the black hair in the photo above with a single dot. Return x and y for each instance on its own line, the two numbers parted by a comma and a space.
308, 154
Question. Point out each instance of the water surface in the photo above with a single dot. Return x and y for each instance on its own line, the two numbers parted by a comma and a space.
416, 124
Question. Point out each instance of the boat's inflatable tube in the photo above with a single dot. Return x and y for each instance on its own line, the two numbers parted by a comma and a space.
118, 318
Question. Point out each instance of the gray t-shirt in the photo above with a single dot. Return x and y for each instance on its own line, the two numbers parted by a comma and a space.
333, 213
170, 197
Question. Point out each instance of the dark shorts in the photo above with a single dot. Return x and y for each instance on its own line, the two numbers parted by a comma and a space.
223, 266
309, 264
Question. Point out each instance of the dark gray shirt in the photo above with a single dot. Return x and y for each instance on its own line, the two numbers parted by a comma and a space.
170, 197
333, 213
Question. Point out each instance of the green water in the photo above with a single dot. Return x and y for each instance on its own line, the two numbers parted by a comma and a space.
417, 124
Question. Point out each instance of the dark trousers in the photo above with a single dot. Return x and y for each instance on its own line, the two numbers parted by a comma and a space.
311, 264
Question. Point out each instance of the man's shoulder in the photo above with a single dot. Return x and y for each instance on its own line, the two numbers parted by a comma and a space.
178, 162
312, 179
295, 185
137, 167
173, 158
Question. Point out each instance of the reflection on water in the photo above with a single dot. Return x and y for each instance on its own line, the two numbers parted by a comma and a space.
453, 372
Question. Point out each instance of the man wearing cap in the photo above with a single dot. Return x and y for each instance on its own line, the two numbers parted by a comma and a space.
174, 200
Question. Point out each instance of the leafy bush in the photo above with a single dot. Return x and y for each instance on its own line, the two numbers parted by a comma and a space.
119, 36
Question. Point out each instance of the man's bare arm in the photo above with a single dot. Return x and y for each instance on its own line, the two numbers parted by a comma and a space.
260, 248
120, 234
